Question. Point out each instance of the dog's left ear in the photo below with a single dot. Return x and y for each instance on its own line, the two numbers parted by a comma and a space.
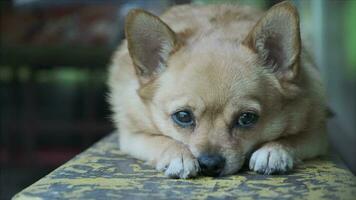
150, 41
276, 40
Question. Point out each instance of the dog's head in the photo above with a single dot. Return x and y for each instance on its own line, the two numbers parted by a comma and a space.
219, 96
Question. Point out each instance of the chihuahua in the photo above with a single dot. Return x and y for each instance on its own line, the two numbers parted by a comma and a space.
204, 89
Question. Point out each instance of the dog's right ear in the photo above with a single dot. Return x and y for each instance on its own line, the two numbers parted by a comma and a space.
276, 40
150, 42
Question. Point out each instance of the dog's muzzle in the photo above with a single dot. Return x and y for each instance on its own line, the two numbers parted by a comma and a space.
211, 164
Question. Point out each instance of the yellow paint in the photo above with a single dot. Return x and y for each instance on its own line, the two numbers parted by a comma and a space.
311, 180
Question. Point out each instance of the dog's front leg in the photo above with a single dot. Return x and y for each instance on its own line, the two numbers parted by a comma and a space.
281, 155
161, 151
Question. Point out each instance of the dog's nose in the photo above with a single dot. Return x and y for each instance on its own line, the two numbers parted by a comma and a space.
210, 164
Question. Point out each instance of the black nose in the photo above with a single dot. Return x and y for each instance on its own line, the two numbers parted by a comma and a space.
210, 164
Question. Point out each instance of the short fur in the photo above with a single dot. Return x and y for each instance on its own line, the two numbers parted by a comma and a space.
217, 60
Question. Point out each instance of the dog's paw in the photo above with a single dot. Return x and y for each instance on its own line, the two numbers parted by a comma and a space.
178, 164
271, 159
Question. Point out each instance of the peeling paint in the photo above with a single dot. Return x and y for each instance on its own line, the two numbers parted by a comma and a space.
103, 172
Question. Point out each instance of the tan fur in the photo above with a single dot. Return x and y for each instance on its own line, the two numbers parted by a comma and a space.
215, 71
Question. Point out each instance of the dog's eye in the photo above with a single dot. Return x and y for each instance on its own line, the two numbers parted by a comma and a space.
246, 119
183, 118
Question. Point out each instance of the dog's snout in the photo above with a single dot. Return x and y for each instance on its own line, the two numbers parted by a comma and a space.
211, 164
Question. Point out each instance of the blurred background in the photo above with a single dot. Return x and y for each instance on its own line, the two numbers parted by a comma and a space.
53, 63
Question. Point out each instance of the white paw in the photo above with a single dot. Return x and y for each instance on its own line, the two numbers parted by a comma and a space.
183, 165
182, 168
271, 160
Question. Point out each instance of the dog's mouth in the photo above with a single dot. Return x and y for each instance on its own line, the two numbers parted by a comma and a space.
232, 165
211, 164
218, 166
212, 172
221, 163
218, 173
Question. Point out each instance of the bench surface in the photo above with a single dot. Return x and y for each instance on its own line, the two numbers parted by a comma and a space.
103, 172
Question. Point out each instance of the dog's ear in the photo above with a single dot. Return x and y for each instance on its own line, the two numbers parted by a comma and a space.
150, 42
276, 40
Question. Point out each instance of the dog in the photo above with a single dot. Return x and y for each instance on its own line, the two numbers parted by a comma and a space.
203, 89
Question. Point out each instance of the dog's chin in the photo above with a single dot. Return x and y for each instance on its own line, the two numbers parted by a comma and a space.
231, 167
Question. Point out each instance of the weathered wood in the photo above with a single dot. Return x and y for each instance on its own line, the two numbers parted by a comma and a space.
103, 172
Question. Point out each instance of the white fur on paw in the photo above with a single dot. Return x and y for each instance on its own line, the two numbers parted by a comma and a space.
271, 160
180, 167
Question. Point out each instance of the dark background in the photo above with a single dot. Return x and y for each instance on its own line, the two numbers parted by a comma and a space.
54, 57
53, 65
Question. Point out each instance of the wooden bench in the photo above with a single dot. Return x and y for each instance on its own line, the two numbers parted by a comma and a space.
103, 172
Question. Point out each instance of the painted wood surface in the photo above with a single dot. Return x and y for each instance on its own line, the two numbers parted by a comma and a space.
103, 172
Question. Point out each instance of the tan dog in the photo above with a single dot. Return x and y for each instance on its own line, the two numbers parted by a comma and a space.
204, 88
